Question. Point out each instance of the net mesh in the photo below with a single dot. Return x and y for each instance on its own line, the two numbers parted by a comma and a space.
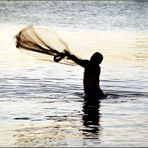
40, 40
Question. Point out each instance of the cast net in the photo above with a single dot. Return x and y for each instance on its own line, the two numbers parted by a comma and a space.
41, 40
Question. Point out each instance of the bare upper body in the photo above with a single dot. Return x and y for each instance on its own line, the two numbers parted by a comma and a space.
91, 74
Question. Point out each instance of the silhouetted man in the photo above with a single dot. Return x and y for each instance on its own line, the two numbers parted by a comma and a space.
92, 71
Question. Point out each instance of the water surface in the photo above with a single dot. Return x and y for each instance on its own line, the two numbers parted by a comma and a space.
42, 104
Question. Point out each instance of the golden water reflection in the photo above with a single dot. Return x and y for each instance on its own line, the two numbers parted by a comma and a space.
125, 58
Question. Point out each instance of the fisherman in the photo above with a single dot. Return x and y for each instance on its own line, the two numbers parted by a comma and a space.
91, 81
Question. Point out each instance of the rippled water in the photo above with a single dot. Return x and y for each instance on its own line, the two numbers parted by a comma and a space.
41, 103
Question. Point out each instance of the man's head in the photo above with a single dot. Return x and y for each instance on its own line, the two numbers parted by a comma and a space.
96, 58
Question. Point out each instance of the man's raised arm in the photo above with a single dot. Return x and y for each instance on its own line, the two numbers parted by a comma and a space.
78, 61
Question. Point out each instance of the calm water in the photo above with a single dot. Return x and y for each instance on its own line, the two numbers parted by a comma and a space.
41, 103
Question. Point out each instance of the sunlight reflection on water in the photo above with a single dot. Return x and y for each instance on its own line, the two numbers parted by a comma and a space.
41, 103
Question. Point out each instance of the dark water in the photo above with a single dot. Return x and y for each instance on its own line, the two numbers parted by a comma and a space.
97, 15
42, 104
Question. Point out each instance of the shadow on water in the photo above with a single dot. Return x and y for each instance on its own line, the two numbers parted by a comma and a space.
91, 118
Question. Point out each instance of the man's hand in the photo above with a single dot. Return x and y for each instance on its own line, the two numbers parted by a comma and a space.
67, 53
